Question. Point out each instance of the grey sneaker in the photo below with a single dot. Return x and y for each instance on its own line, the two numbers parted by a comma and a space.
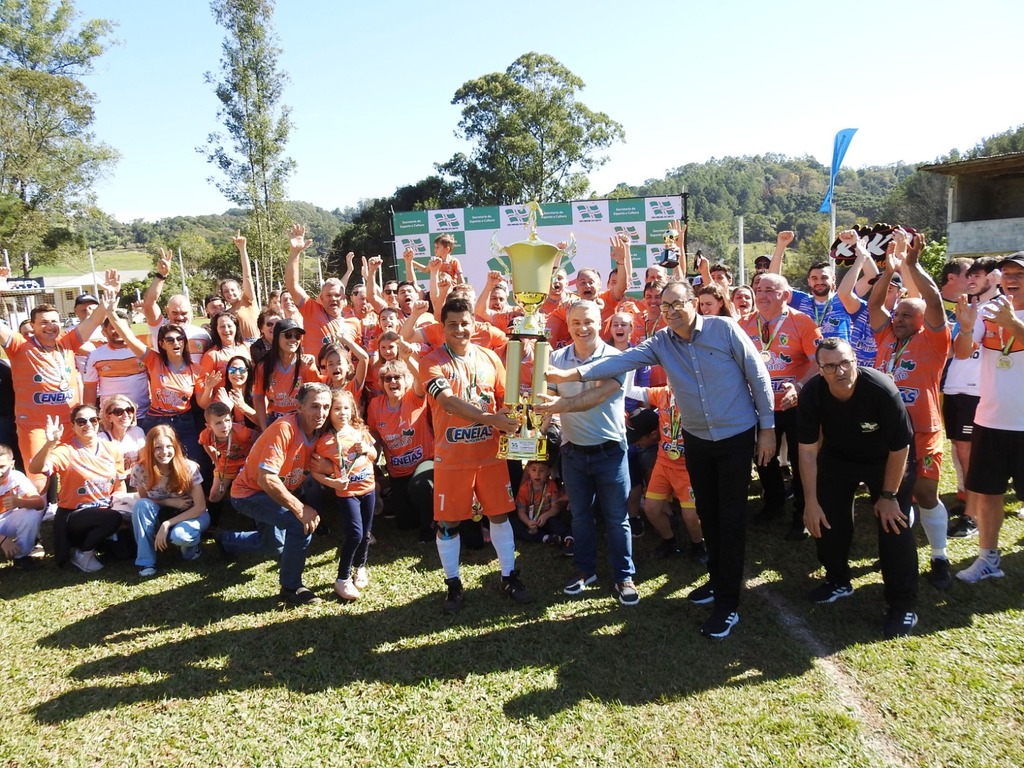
626, 592
85, 561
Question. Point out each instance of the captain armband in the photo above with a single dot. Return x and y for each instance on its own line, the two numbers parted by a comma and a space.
438, 386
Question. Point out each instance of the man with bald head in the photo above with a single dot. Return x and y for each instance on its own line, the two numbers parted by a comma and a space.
178, 310
913, 343
322, 317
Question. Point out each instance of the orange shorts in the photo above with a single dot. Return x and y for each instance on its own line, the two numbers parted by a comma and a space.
928, 447
668, 479
30, 442
455, 490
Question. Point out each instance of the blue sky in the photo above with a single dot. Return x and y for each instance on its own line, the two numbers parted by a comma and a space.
372, 83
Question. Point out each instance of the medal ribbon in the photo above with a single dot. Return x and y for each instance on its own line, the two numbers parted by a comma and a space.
458, 370
895, 356
766, 345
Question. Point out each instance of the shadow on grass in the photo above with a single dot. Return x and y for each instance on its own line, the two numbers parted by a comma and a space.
589, 647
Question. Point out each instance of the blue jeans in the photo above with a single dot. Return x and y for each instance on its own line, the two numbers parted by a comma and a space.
278, 531
600, 478
146, 518
357, 517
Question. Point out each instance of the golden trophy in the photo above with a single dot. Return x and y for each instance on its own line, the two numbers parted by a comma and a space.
532, 263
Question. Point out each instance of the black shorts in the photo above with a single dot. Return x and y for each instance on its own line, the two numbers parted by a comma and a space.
958, 414
997, 456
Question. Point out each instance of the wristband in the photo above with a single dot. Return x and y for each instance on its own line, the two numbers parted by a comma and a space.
887, 495
157, 276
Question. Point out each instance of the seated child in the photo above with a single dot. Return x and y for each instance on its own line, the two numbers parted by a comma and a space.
21, 512
539, 504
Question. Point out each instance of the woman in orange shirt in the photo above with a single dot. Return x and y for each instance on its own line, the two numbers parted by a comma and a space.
280, 374
227, 342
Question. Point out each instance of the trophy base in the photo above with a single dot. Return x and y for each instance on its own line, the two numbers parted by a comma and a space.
522, 448
669, 259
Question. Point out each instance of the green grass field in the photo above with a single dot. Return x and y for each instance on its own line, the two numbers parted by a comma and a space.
121, 260
199, 666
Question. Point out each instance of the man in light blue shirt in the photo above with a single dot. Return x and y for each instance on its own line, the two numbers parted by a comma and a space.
724, 395
593, 454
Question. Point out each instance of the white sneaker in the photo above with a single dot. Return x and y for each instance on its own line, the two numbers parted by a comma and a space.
980, 569
85, 561
362, 577
49, 513
346, 589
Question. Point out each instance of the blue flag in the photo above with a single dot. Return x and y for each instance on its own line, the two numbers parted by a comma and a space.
843, 139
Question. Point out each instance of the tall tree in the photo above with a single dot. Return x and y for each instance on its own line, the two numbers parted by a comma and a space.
533, 140
49, 157
252, 155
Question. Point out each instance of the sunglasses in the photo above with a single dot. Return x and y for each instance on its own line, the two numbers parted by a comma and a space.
121, 411
390, 292
174, 339
237, 369
292, 335
389, 379
80, 422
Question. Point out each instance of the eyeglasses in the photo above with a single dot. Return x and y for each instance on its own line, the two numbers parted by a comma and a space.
391, 291
389, 379
841, 365
121, 411
677, 306
174, 339
80, 422
292, 335
237, 369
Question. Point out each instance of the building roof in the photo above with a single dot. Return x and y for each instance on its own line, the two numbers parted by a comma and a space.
996, 165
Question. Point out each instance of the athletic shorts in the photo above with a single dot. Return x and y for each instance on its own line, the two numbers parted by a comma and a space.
928, 449
456, 489
958, 415
669, 479
997, 455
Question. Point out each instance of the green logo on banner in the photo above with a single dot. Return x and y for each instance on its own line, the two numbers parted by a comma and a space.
655, 231
482, 218
629, 230
418, 244
555, 214
662, 209
445, 221
588, 212
629, 209
517, 215
410, 223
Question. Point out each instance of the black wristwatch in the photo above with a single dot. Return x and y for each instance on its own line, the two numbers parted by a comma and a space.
157, 276
887, 495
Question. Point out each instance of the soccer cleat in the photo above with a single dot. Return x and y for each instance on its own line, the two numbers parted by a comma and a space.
514, 588
829, 592
453, 600
940, 576
982, 568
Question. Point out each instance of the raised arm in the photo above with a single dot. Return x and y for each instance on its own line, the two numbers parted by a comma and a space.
297, 243
782, 241
151, 298
934, 312
620, 253
848, 286
108, 303
409, 332
349, 268
481, 311
248, 288
372, 290
878, 315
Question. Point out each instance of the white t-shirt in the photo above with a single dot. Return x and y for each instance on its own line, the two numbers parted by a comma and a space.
138, 478
1000, 384
17, 484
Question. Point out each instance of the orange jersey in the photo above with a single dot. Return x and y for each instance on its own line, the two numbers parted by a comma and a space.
217, 359
451, 267
87, 476
320, 328
283, 451
170, 391
231, 453
917, 370
283, 385
479, 377
670, 428
45, 381
535, 502
485, 335
786, 344
404, 432
357, 467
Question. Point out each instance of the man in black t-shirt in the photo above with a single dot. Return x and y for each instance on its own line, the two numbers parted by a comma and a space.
853, 428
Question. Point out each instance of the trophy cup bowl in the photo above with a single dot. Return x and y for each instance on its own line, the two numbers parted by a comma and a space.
533, 262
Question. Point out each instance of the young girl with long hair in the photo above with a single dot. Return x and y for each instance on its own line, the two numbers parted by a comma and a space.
280, 374
348, 446
172, 507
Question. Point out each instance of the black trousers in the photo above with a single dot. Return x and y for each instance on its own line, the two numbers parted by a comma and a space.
82, 529
771, 474
837, 485
720, 475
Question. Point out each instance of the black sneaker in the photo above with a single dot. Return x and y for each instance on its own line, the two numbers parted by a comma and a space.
27, 563
578, 584
637, 526
667, 548
720, 624
829, 592
899, 623
453, 600
702, 595
514, 588
300, 596
568, 546
699, 552
940, 576
962, 527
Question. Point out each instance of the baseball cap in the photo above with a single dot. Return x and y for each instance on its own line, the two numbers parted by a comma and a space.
288, 325
897, 280
766, 260
1014, 258
86, 298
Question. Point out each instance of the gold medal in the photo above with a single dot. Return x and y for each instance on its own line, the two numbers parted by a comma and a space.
674, 454
1004, 363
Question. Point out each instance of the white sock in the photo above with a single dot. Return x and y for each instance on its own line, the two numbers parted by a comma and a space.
503, 539
992, 555
934, 521
448, 549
